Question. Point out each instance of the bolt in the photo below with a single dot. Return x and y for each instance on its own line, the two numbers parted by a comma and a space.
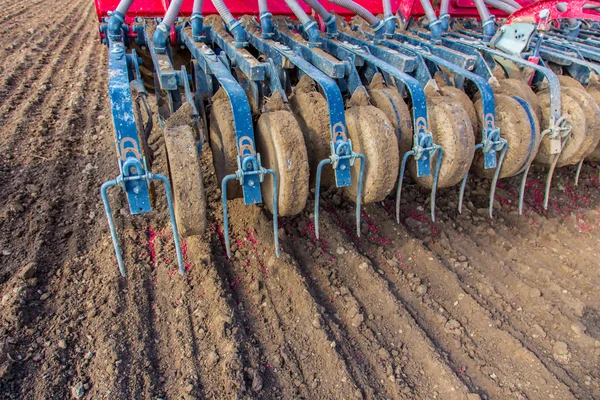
136, 190
250, 183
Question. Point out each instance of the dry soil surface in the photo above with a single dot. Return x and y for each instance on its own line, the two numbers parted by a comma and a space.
467, 307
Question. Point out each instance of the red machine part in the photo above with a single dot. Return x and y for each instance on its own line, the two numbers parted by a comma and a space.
408, 8
557, 9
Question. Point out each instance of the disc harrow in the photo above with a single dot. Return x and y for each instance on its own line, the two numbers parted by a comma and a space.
297, 95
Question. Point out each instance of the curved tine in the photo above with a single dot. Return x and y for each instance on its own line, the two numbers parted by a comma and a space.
359, 194
578, 172
111, 223
400, 180
275, 209
318, 193
225, 213
435, 181
463, 185
495, 180
461, 193
549, 180
522, 189
165, 182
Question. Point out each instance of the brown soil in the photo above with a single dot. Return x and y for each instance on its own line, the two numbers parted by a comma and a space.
464, 308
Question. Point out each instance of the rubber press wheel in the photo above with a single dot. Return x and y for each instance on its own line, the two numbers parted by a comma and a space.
592, 118
463, 99
450, 127
392, 104
312, 114
515, 125
223, 142
189, 200
372, 135
516, 87
281, 146
572, 151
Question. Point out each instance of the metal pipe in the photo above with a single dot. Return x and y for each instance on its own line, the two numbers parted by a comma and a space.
328, 19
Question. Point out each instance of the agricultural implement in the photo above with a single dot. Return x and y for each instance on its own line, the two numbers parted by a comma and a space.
292, 95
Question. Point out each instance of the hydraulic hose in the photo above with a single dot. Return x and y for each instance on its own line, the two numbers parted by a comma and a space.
117, 19
513, 3
266, 20
197, 20
358, 10
501, 5
224, 12
376, 24
435, 25
197, 7
328, 19
444, 16
487, 20
237, 30
161, 34
388, 18
310, 26
123, 6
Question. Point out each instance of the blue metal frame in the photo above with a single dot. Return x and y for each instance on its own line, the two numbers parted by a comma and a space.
134, 176
389, 64
250, 173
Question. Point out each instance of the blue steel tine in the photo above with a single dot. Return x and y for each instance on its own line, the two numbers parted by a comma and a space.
549, 180
275, 209
111, 224
435, 180
496, 175
461, 193
359, 194
522, 189
463, 185
165, 182
400, 180
578, 172
225, 214
317, 193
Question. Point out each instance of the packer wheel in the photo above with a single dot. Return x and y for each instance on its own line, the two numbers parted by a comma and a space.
189, 200
373, 135
451, 129
392, 104
516, 87
457, 95
281, 146
311, 112
515, 123
571, 108
223, 142
592, 118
